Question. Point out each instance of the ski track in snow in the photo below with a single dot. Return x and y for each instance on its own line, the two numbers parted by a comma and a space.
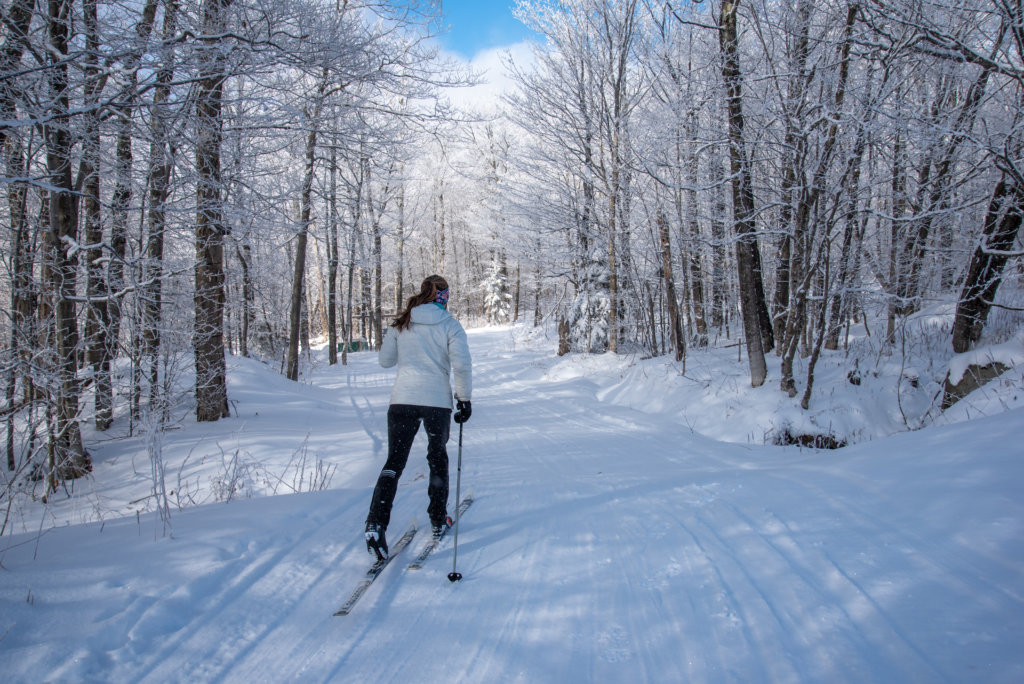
605, 545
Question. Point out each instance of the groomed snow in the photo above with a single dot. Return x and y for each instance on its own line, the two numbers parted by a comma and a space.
630, 525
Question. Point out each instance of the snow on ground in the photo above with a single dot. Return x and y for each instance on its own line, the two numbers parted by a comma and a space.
631, 524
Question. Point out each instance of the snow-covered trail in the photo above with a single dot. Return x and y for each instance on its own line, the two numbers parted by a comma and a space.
604, 545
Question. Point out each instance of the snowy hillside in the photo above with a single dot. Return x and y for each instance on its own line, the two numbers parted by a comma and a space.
630, 524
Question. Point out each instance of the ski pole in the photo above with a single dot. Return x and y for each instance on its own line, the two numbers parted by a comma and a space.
454, 576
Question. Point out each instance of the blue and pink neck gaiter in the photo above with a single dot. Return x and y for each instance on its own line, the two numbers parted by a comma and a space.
441, 298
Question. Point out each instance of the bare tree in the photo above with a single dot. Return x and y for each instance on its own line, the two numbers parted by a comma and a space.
15, 34
676, 327
748, 263
1002, 225
69, 459
582, 98
208, 336
299, 277
160, 166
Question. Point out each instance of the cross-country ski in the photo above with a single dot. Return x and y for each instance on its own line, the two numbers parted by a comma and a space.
434, 542
375, 570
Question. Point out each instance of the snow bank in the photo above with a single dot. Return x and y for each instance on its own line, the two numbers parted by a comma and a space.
1009, 354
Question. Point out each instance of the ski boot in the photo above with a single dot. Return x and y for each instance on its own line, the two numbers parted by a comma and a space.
376, 543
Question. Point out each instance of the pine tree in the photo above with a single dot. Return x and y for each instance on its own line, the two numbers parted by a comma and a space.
497, 294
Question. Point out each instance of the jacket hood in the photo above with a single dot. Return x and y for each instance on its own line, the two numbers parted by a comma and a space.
429, 314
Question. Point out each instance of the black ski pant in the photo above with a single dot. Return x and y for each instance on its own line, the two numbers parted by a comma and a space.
403, 424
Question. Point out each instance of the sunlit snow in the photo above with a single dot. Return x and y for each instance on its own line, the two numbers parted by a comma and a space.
630, 524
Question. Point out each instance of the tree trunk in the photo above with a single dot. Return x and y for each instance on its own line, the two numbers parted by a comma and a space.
332, 261
613, 272
161, 163
400, 246
120, 207
353, 234
21, 311
898, 188
692, 259
1002, 223
515, 295
537, 291
805, 401
375, 307
719, 288
299, 275
208, 339
794, 145
764, 317
15, 29
349, 287
748, 264
841, 299
675, 322
96, 314
244, 253
70, 459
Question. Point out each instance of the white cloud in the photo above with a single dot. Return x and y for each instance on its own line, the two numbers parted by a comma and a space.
495, 79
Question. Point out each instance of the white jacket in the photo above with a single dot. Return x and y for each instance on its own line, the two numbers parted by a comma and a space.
426, 353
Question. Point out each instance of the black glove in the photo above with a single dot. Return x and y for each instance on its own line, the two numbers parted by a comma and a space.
463, 410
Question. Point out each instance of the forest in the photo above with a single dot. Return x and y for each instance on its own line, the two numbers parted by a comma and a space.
186, 179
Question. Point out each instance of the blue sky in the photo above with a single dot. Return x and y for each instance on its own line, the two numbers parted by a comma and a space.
477, 25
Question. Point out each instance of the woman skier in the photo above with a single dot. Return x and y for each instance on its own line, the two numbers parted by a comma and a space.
428, 345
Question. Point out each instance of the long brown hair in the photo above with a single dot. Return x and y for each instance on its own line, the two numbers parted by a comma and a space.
429, 288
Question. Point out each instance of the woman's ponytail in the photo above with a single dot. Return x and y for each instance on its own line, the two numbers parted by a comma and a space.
429, 288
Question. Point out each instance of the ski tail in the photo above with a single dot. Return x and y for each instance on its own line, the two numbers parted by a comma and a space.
432, 544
